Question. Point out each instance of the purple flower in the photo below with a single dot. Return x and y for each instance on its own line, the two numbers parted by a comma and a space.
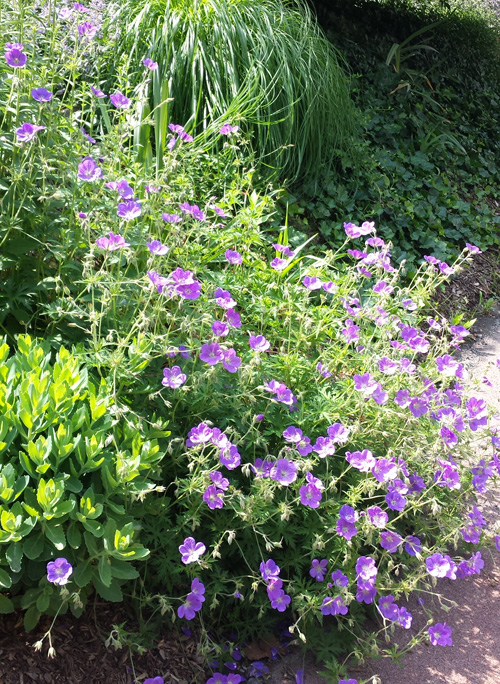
351, 331
472, 248
154, 680
387, 366
348, 681
338, 433
269, 570
227, 129
156, 247
292, 434
339, 579
310, 495
217, 678
447, 365
149, 64
223, 299
191, 550
324, 447
230, 457
190, 607
383, 288
312, 283
366, 592
402, 398
119, 100
354, 231
97, 92
346, 529
41, 94
233, 257
330, 287
284, 249
404, 618
377, 517
440, 634
213, 497
219, 480
280, 601
395, 500
348, 513
441, 566
87, 30
278, 264
284, 471
323, 370
388, 608
413, 545
112, 243
211, 353
15, 57
258, 343
418, 406
366, 569
27, 132
365, 383
333, 606
384, 470
171, 218
220, 328
129, 210
88, 170
390, 540
193, 210
200, 434
59, 571
233, 318
173, 377
230, 360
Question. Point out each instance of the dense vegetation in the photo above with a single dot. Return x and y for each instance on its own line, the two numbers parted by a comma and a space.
202, 409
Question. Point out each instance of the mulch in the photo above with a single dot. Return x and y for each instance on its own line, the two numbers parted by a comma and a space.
82, 656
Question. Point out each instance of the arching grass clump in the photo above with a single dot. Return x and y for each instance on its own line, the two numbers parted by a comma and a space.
270, 57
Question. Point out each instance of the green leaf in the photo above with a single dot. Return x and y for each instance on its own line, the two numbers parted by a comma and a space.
5, 579
43, 603
104, 569
14, 555
33, 546
31, 618
122, 570
82, 574
112, 593
55, 534
6, 605
74, 536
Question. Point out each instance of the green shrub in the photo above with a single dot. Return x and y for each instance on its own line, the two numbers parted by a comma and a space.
71, 467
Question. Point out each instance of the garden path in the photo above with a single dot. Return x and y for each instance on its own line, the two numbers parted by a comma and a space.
474, 657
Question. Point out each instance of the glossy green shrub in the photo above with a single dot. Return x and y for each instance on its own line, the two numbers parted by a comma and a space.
71, 467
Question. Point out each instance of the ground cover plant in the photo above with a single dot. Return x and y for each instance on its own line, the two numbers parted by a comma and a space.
278, 433
425, 79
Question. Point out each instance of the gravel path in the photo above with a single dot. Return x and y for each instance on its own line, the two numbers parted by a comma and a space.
474, 616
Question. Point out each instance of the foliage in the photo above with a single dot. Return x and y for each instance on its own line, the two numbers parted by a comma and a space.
265, 66
430, 156
72, 466
316, 420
